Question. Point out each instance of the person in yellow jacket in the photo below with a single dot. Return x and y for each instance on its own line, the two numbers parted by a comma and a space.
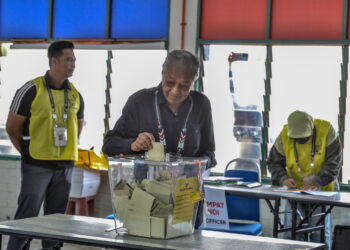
306, 155
44, 123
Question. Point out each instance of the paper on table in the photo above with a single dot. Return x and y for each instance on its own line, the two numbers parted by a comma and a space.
320, 193
298, 191
157, 152
220, 180
247, 184
285, 190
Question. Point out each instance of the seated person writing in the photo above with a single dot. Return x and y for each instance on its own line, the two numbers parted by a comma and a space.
307, 155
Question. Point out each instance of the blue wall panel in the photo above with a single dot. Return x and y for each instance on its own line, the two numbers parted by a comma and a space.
79, 19
23, 19
140, 19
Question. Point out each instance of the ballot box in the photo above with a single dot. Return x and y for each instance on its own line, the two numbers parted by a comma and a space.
156, 199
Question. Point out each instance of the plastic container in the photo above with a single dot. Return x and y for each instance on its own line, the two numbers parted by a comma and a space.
156, 199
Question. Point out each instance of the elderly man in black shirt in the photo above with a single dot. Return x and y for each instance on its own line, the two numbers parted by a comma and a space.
170, 113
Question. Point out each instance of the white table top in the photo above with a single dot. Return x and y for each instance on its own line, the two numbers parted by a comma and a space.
341, 199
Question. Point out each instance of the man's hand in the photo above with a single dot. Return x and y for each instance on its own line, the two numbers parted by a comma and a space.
290, 183
143, 142
310, 186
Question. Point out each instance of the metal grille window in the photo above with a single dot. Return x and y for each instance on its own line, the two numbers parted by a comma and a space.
237, 126
304, 78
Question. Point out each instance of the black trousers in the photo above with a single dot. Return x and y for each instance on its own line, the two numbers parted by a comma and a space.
41, 185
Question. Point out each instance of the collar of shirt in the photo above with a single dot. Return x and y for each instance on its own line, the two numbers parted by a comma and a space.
65, 84
161, 101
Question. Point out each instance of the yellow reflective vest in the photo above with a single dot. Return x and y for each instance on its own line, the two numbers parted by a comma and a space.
41, 123
304, 154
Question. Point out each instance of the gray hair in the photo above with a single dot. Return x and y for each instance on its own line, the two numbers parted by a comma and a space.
182, 59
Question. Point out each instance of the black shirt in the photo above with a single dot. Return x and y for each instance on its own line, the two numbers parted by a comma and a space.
21, 105
139, 116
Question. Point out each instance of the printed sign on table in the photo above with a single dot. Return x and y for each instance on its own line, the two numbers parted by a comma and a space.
216, 210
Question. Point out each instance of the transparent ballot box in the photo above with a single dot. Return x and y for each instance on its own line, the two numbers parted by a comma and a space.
156, 199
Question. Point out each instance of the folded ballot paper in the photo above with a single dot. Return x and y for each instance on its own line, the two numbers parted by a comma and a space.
151, 209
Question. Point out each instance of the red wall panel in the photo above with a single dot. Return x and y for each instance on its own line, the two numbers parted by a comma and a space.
306, 19
233, 19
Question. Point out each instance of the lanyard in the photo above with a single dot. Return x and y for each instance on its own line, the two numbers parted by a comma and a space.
181, 143
53, 107
313, 149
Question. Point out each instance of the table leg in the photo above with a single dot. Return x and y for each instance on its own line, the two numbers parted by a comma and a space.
276, 217
294, 207
0, 241
323, 223
308, 220
82, 207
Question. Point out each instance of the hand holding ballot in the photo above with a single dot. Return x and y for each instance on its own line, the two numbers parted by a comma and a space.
143, 142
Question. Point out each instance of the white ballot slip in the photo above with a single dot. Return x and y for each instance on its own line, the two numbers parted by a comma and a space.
157, 152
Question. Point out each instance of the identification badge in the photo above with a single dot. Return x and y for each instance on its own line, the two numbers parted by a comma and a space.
60, 134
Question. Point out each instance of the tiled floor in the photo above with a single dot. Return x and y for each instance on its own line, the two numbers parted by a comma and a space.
36, 244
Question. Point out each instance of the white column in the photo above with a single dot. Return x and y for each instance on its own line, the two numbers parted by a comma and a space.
190, 27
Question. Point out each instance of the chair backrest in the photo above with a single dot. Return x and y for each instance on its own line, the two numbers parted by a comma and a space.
243, 208
249, 168
246, 175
